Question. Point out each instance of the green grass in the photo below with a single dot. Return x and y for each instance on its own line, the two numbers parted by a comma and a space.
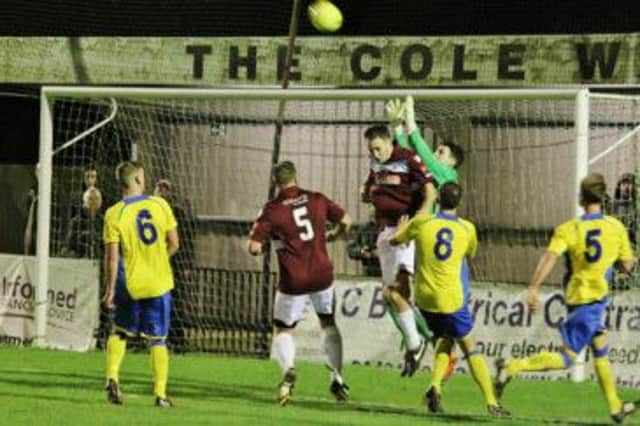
39, 387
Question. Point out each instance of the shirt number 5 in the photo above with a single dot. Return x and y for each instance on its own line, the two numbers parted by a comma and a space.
301, 217
594, 248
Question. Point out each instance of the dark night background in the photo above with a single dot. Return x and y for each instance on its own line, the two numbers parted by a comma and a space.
19, 116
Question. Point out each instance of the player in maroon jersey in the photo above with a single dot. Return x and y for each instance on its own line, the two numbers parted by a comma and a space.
296, 220
399, 184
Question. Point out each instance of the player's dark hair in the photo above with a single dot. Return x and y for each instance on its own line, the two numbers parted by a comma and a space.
593, 189
125, 170
449, 195
456, 151
377, 131
284, 173
625, 178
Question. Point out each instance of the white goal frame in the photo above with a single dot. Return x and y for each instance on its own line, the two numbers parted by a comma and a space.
580, 95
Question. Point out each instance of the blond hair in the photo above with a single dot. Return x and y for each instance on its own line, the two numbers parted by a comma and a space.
284, 173
125, 171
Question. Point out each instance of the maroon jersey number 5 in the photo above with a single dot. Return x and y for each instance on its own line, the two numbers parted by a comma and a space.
301, 218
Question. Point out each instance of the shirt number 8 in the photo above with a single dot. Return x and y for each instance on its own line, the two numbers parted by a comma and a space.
444, 239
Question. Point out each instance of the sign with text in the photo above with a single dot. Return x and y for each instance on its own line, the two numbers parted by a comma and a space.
72, 302
504, 327
333, 61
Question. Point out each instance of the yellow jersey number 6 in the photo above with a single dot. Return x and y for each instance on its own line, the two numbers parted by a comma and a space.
146, 231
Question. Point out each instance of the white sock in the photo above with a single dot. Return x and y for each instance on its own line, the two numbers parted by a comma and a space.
284, 350
408, 325
333, 349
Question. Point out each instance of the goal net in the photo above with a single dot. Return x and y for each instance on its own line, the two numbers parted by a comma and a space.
211, 151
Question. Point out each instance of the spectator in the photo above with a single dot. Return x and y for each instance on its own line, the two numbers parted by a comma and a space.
623, 205
84, 238
30, 205
90, 178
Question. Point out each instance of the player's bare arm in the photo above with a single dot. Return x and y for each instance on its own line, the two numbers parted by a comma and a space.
173, 242
402, 222
626, 266
430, 196
341, 229
544, 268
111, 255
254, 247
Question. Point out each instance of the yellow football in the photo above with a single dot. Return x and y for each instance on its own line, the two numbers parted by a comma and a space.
325, 16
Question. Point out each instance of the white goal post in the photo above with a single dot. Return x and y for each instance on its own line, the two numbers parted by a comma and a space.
578, 115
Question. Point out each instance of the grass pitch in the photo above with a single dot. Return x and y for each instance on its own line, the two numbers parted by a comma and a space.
40, 387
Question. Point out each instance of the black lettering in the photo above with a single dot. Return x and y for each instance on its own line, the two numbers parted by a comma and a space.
407, 58
477, 304
589, 58
516, 317
249, 62
16, 285
487, 309
354, 310
547, 311
634, 321
459, 73
510, 55
356, 62
71, 299
282, 63
378, 306
26, 291
198, 51
60, 299
502, 319
620, 313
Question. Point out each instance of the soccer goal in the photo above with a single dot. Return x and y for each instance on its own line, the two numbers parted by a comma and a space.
213, 148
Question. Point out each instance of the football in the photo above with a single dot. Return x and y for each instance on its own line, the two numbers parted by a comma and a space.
325, 16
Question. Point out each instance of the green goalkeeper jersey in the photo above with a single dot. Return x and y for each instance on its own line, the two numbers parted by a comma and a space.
441, 172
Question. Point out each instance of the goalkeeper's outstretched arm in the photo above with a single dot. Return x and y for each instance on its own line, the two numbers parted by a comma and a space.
441, 172
395, 115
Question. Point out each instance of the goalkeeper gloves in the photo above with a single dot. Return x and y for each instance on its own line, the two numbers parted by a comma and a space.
410, 114
395, 112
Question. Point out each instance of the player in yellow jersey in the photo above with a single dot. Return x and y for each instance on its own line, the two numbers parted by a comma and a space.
443, 243
592, 244
140, 234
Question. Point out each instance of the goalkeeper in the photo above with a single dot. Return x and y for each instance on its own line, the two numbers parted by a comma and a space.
442, 165
444, 162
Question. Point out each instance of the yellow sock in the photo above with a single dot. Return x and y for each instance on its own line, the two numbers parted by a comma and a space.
116, 348
160, 368
440, 362
481, 375
540, 362
607, 384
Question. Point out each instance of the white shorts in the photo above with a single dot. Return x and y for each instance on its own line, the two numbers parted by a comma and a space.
393, 259
290, 308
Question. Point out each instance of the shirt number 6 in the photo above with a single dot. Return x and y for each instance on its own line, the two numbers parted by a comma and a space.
146, 231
